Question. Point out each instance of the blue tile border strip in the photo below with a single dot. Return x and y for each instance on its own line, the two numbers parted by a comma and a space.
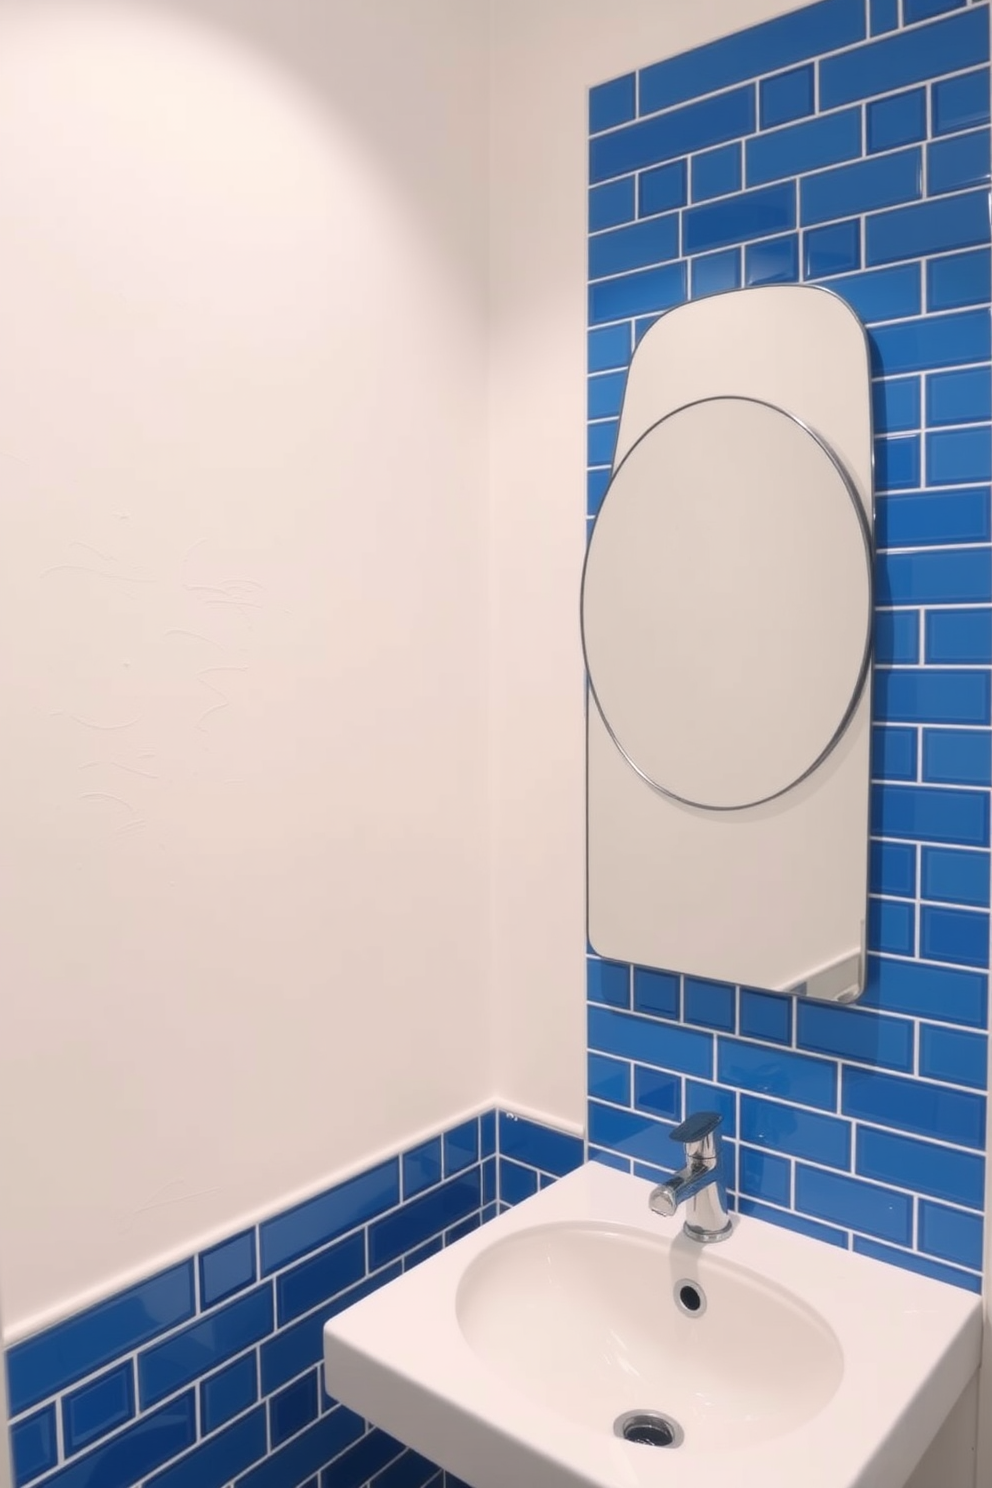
152, 1383
866, 170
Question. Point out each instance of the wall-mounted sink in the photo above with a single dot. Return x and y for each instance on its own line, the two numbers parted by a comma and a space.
512, 1356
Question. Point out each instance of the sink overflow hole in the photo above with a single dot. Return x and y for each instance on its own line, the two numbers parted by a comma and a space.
649, 1429
690, 1299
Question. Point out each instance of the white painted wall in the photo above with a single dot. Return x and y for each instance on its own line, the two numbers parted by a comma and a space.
244, 890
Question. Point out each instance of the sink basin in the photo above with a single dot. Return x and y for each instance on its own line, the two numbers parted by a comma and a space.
511, 1356
587, 1319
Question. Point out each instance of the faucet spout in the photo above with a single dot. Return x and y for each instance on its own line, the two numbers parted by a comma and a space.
700, 1184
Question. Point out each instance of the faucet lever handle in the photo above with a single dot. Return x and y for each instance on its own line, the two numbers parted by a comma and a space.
697, 1128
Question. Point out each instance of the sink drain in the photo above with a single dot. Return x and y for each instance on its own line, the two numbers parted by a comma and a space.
649, 1428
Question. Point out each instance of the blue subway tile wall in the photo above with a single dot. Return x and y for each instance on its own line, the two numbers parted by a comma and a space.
200, 1386
861, 130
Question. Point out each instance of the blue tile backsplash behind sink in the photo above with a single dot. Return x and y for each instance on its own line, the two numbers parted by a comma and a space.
209, 1373
845, 144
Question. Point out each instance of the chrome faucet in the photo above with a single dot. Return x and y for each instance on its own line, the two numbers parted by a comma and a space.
700, 1182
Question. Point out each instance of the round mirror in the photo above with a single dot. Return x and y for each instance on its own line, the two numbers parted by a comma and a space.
726, 603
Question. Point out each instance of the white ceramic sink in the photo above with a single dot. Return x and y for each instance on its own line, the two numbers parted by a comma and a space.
508, 1357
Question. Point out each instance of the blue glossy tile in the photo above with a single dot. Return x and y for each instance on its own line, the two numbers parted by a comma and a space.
664, 1045
716, 172
856, 1205
806, 147
903, 58
956, 163
928, 518
897, 463
835, 249
935, 341
900, 120
701, 1096
959, 637
421, 1167
424, 1217
960, 936
893, 754
612, 103
927, 695
552, 1151
683, 131
49, 1361
600, 442
914, 1106
322, 1219
712, 1004
922, 1167
608, 982
461, 1147
489, 1180
609, 1159
608, 348
487, 1133
787, 1220
922, 991
663, 189
810, 1082
308, 1452
612, 204
959, 397
951, 576
644, 293
34, 1446
135, 1452
929, 227
227, 1268
773, 261
605, 395
955, 877
930, 814
319, 1277
98, 1407
624, 248
925, 10
955, 1056
657, 1093
909, 1260
762, 1176
863, 187
884, 16
423, 1253
853, 1033
409, 1471
884, 294
229, 1392
897, 636
896, 403
891, 927
362, 1461
752, 214
951, 1235
766, 1016
609, 1079
787, 96
656, 992
957, 757
961, 102
716, 272
959, 279
631, 1133
294, 1349
892, 869
959, 456
217, 1462
168, 1366
764, 48
820, 1139
292, 1408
